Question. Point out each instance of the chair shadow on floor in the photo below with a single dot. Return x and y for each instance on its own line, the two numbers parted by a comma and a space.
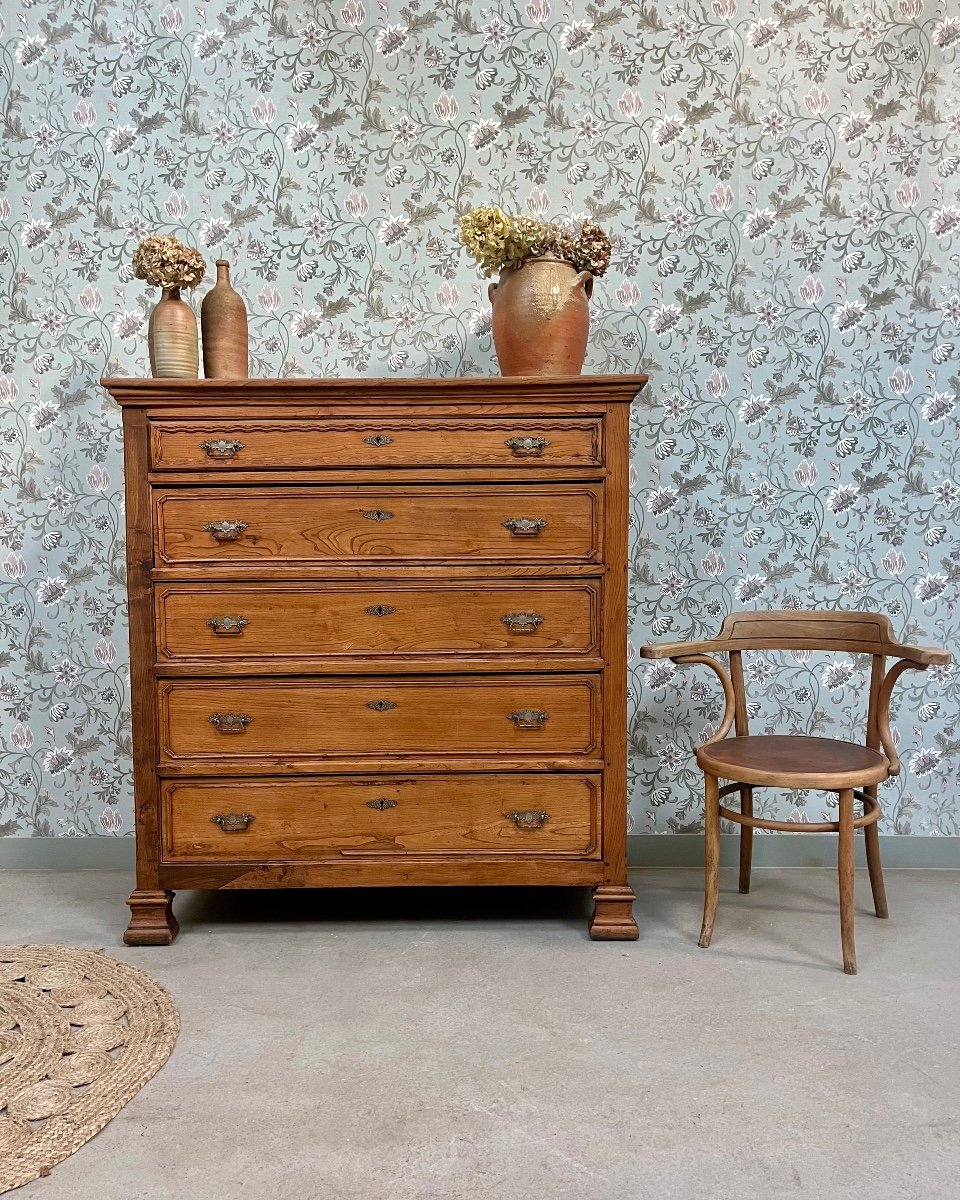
673, 907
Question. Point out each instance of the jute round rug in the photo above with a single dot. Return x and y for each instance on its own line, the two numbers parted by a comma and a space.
80, 1034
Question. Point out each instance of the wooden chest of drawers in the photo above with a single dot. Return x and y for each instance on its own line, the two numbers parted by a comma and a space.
377, 634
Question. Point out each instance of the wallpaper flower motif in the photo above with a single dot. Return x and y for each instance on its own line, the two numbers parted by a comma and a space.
782, 183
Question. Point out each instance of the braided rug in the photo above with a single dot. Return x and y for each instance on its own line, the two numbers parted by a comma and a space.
80, 1034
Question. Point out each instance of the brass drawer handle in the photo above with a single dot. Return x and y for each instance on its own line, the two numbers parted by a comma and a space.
228, 626
526, 447
529, 718
378, 439
378, 514
522, 622
381, 705
379, 610
525, 526
225, 531
220, 448
230, 722
529, 818
233, 822
381, 804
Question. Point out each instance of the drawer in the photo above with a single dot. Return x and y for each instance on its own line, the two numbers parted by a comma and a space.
269, 820
231, 445
274, 620
265, 526
299, 718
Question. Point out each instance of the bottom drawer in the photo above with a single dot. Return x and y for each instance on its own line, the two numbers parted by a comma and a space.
270, 820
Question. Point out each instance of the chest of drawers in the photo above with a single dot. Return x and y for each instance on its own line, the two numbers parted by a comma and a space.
377, 634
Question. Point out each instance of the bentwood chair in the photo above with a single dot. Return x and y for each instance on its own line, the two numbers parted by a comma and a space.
792, 761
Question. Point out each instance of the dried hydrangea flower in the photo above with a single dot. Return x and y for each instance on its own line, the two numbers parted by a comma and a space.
557, 240
485, 232
592, 249
526, 239
167, 263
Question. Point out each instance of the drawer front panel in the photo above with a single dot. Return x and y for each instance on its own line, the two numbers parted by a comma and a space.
369, 524
527, 443
246, 621
302, 718
270, 820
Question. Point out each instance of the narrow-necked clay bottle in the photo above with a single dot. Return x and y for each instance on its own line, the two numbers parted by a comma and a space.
223, 323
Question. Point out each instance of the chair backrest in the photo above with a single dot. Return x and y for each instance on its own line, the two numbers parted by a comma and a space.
852, 632
843, 632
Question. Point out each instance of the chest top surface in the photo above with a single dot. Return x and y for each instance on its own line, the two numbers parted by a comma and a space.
494, 389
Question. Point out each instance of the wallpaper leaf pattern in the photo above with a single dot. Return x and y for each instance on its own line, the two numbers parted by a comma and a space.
781, 181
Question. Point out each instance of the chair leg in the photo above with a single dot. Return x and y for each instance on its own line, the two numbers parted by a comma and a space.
871, 838
746, 840
845, 865
712, 857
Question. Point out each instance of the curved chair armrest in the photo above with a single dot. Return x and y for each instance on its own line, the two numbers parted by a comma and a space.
921, 656
883, 704
675, 649
728, 697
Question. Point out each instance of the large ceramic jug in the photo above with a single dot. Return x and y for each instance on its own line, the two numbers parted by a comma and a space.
541, 317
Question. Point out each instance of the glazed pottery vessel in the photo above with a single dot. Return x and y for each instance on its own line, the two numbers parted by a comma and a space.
172, 338
541, 317
223, 320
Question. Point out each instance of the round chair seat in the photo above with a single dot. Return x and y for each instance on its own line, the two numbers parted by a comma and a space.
789, 761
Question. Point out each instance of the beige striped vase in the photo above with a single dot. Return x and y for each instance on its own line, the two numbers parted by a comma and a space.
172, 338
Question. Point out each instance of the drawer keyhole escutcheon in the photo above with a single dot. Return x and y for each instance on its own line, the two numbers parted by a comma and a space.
378, 514
228, 626
529, 819
529, 718
233, 822
220, 448
522, 622
380, 610
525, 526
381, 804
526, 447
378, 439
381, 705
230, 722
225, 531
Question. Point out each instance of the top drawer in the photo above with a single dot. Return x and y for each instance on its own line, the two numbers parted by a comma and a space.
237, 445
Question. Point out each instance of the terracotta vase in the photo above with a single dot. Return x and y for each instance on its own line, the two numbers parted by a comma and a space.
223, 320
172, 338
541, 317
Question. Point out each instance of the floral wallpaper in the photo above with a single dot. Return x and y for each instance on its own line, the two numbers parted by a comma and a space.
782, 183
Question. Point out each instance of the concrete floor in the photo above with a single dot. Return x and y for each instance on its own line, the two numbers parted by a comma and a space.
476, 1046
